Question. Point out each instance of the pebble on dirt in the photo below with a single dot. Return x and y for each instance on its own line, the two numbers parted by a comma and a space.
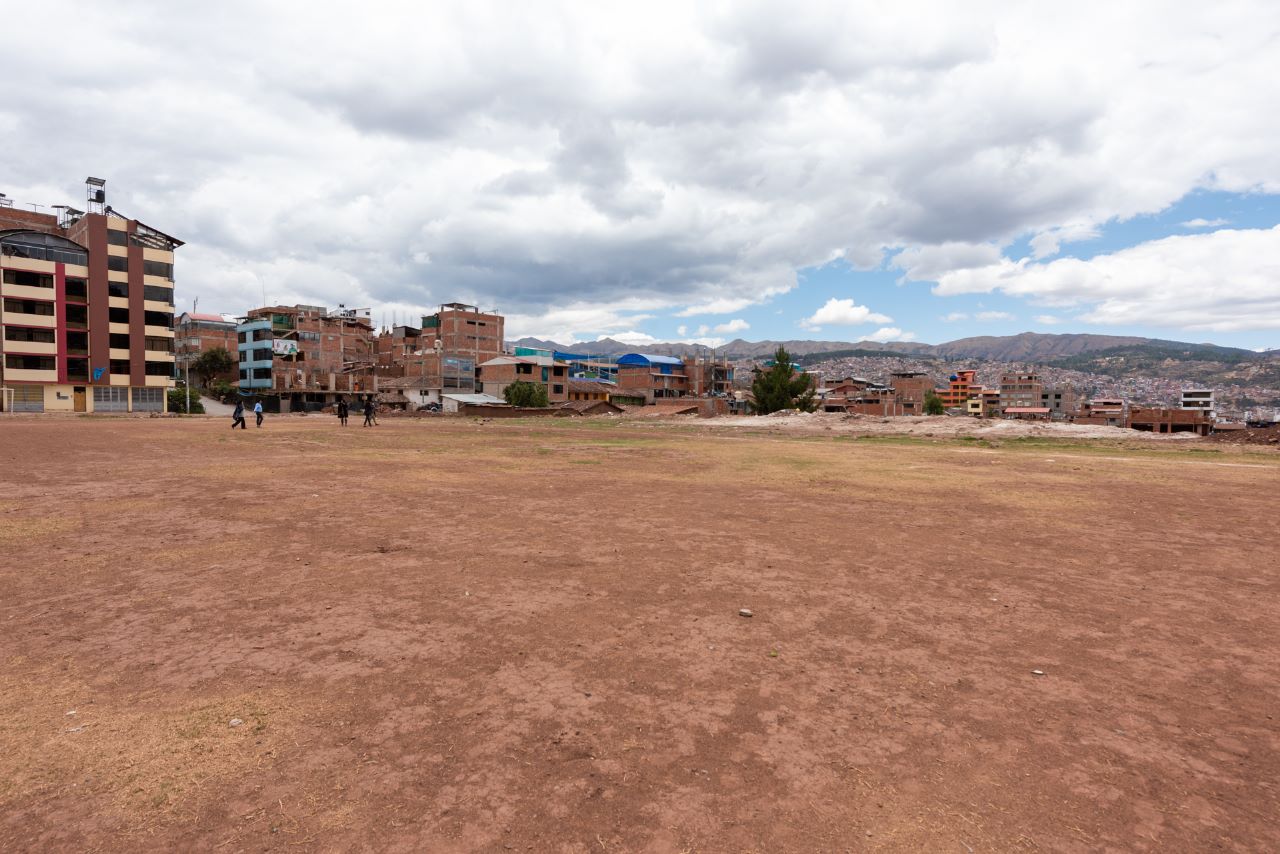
744, 612
1037, 672
236, 722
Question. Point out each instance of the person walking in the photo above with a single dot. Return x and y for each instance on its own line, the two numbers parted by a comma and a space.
257, 412
342, 412
368, 412
237, 417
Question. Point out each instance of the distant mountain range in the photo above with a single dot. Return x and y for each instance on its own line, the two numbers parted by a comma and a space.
1025, 347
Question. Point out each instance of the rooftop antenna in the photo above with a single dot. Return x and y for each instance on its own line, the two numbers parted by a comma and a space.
95, 192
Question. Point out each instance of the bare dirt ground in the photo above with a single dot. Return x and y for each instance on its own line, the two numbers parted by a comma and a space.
443, 635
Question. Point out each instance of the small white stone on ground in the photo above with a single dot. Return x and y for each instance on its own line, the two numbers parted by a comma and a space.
744, 612
236, 722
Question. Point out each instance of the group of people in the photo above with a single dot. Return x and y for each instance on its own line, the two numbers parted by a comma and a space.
370, 411
342, 409
237, 417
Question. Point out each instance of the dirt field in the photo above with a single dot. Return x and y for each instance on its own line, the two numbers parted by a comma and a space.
441, 635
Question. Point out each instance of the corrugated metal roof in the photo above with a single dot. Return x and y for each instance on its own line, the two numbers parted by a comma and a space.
474, 398
647, 359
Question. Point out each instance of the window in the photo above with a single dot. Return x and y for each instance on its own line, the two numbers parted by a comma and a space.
262, 335
117, 289
244, 374
117, 315
28, 279
22, 333
78, 369
158, 318
558, 371
262, 373
544, 375
148, 399
116, 237
110, 399
242, 337
524, 369
119, 366
557, 389
77, 288
21, 362
158, 344
118, 263
78, 343
158, 293
118, 341
45, 247
77, 316
308, 336
262, 354
158, 268
29, 306
159, 369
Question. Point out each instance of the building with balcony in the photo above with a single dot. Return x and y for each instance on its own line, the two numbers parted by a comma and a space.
86, 321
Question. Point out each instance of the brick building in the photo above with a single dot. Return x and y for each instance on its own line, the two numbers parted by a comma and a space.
709, 377
305, 356
197, 333
1161, 420
501, 371
1020, 391
463, 330
86, 318
911, 388
658, 377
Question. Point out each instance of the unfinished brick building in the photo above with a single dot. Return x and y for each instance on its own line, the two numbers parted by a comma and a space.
501, 371
305, 356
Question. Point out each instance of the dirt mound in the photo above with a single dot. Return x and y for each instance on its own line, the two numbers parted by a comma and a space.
1248, 436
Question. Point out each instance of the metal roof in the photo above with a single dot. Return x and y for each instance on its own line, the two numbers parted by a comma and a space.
647, 359
474, 398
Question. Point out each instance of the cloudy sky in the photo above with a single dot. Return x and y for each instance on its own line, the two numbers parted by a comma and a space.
685, 171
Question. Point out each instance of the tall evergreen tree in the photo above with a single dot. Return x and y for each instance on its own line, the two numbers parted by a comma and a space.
782, 387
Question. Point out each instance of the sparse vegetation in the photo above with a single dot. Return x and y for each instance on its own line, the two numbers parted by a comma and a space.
521, 393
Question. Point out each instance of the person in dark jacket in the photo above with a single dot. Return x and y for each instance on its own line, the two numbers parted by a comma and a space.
343, 412
370, 409
237, 417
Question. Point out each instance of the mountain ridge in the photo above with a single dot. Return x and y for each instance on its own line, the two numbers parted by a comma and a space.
1023, 347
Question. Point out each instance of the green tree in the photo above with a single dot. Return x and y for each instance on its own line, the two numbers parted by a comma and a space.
178, 401
212, 362
521, 393
933, 404
782, 387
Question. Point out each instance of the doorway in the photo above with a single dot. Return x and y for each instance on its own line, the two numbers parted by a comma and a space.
77, 394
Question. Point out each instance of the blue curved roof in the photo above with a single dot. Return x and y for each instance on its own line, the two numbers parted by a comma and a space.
647, 359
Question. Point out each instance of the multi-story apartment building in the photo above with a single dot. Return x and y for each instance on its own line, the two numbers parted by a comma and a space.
463, 330
1020, 391
305, 356
86, 322
709, 377
961, 386
911, 388
1201, 400
198, 333
657, 377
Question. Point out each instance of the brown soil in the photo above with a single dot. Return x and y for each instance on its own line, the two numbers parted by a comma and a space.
457, 636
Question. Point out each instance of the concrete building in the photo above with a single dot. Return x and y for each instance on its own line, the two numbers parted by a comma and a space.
1200, 400
1111, 412
961, 386
709, 377
86, 318
1061, 402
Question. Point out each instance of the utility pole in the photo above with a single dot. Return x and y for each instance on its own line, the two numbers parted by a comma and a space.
195, 303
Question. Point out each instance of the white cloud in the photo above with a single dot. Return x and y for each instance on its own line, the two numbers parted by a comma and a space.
631, 337
1047, 320
1200, 222
682, 330
578, 322
1222, 280
539, 158
890, 333
735, 325
992, 316
955, 317
842, 312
